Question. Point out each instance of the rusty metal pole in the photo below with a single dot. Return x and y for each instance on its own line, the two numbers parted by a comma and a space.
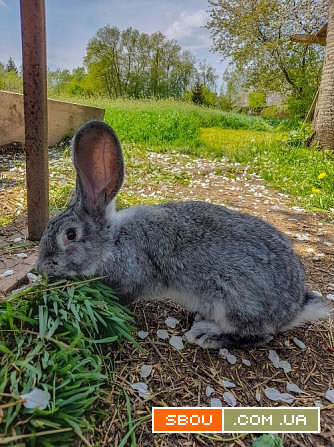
35, 114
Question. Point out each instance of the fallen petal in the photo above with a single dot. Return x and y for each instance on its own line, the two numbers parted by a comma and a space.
36, 399
246, 362
223, 352
294, 388
145, 371
228, 384
32, 277
330, 296
142, 334
231, 359
272, 393
7, 273
171, 322
330, 395
163, 334
209, 390
215, 402
318, 404
230, 399
142, 389
299, 343
286, 397
176, 342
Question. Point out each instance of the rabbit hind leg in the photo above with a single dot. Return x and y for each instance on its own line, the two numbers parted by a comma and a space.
208, 334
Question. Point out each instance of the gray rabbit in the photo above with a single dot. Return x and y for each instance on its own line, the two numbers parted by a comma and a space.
236, 271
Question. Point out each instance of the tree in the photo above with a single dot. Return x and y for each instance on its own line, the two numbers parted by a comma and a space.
256, 35
197, 96
11, 66
323, 122
10, 80
129, 63
206, 75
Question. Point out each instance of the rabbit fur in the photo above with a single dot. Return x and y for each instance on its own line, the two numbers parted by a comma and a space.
239, 273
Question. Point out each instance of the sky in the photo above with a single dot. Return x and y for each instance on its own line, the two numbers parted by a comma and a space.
71, 23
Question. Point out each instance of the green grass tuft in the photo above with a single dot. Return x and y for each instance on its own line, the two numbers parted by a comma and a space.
53, 336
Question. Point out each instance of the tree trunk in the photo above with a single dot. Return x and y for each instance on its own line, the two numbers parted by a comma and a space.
323, 122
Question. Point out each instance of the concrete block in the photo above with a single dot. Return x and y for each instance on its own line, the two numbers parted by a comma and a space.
63, 118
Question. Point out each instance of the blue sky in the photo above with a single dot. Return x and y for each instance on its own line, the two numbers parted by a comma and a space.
71, 23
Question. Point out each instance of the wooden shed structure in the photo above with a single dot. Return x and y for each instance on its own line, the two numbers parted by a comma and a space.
319, 37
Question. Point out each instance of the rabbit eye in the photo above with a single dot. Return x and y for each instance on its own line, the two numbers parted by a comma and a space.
71, 234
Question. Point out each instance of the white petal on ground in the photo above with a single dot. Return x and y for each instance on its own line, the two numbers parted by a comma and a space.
257, 395
142, 334
272, 394
246, 362
142, 389
330, 395
318, 404
163, 334
287, 398
171, 322
7, 273
22, 255
302, 237
330, 296
299, 343
176, 342
231, 359
145, 371
273, 356
36, 399
285, 365
32, 277
228, 384
287, 343
223, 352
230, 399
294, 388
328, 244
17, 239
215, 402
209, 390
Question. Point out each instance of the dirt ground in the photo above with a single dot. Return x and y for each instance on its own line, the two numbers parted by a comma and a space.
181, 377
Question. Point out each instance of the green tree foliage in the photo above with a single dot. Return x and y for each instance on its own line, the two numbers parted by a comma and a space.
256, 100
132, 64
197, 94
10, 80
11, 66
256, 35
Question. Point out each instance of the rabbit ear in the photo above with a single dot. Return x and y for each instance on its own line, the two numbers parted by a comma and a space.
98, 160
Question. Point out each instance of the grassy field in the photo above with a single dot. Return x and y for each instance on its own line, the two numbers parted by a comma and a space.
166, 125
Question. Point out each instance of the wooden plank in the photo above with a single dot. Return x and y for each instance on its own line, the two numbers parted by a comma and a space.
309, 38
14, 281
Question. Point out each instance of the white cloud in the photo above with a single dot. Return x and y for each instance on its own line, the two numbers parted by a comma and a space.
187, 24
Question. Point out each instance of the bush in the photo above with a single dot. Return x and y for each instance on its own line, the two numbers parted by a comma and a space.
256, 100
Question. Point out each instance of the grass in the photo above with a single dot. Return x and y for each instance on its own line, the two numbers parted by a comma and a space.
167, 125
53, 337
302, 172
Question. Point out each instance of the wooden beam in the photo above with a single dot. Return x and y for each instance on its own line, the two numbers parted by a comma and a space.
35, 114
309, 38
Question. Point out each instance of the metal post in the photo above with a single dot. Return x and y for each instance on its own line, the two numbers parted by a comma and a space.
35, 114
